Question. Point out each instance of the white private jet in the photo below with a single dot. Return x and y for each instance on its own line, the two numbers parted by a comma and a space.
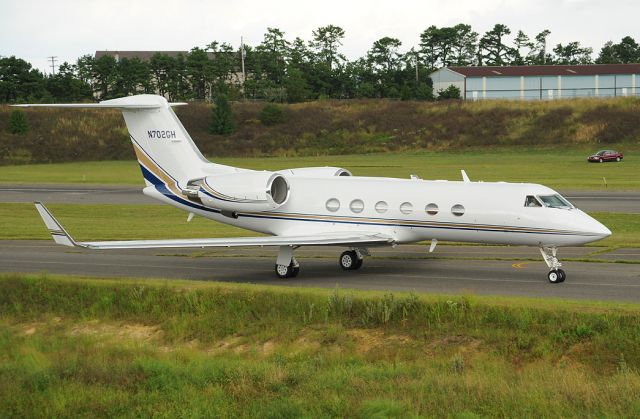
327, 205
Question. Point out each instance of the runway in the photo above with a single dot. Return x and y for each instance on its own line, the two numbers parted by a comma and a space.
405, 268
589, 201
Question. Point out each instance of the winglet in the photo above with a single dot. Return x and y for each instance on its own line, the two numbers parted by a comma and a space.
59, 234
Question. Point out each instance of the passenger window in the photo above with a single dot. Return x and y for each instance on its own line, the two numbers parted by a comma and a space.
531, 201
333, 205
406, 208
457, 210
381, 207
357, 206
431, 209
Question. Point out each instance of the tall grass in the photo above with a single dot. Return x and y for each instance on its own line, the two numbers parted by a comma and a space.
337, 127
74, 347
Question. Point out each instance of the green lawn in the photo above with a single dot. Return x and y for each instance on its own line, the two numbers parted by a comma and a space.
74, 347
560, 169
128, 222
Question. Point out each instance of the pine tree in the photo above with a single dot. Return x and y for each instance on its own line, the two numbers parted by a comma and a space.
222, 117
18, 123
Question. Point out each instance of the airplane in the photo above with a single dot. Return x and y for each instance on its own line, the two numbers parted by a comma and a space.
328, 206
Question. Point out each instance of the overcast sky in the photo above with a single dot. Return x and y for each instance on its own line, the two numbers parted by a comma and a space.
35, 29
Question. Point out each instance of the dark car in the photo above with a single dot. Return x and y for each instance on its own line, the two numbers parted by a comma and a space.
605, 155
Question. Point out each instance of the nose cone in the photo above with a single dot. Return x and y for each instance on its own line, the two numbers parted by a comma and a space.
596, 229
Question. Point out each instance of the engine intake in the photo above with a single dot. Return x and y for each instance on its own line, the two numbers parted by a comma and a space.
242, 191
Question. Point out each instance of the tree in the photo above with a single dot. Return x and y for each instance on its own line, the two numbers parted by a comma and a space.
296, 85
223, 66
538, 54
161, 66
199, 72
522, 44
385, 61
625, 52
572, 53
19, 81
133, 76
429, 47
67, 86
492, 49
271, 56
222, 117
326, 42
104, 72
18, 123
465, 45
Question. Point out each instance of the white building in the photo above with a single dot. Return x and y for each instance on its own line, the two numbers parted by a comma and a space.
540, 81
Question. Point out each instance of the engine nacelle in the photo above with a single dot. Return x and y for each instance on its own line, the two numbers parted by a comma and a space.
241, 191
316, 172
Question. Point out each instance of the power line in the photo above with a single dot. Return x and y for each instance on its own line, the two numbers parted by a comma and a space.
53, 60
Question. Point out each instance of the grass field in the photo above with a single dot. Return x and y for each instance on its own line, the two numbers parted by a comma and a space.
129, 222
560, 169
81, 347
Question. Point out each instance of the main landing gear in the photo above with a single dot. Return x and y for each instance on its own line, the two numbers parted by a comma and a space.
351, 260
556, 275
288, 267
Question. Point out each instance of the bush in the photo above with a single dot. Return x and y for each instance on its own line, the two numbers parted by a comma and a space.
18, 123
451, 92
222, 117
272, 114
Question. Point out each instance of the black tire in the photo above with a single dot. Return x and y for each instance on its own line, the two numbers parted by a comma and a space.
562, 274
283, 272
358, 264
294, 271
348, 260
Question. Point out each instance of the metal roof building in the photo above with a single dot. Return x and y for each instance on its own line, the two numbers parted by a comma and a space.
540, 81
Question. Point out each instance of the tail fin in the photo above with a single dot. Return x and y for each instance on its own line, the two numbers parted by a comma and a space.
163, 147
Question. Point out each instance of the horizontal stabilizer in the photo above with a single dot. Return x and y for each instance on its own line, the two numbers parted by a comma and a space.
130, 102
338, 238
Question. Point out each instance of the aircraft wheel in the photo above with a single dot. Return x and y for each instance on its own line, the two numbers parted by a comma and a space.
600, 160
562, 274
555, 277
358, 263
618, 159
348, 260
284, 271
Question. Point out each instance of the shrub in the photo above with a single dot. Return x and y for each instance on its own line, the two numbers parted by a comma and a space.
451, 92
272, 114
222, 117
18, 123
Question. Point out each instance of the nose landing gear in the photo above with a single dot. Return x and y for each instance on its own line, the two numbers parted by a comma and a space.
556, 275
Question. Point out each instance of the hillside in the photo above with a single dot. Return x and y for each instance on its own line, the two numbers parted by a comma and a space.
337, 127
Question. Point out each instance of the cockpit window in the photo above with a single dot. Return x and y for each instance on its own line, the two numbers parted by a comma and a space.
554, 201
531, 201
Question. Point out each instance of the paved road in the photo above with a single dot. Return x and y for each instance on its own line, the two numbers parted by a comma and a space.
404, 268
97, 194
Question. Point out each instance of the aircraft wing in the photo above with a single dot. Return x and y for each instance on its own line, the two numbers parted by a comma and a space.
61, 236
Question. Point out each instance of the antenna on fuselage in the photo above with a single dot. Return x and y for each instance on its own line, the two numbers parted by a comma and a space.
465, 178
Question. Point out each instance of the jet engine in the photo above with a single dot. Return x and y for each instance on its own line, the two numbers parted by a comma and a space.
241, 191
316, 172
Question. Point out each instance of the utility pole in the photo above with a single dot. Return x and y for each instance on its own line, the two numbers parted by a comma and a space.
53, 64
242, 58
